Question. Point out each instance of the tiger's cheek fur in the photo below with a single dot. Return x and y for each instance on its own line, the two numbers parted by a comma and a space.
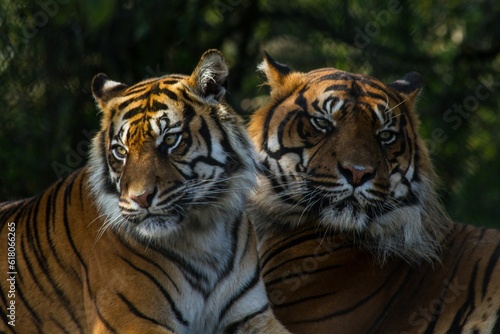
374, 182
403, 171
342, 149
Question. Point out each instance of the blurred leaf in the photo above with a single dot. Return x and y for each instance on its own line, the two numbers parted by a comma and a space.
97, 12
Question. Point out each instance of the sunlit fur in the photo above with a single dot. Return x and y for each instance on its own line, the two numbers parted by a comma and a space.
150, 236
198, 176
353, 238
394, 212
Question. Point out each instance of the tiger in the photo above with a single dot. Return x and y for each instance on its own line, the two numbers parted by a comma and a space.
353, 237
150, 236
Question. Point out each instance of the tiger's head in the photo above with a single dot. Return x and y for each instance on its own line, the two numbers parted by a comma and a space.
170, 152
342, 150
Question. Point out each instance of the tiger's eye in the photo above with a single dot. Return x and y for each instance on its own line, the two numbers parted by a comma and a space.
119, 152
171, 139
387, 137
320, 123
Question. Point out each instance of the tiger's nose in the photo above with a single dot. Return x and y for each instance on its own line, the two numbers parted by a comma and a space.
356, 175
145, 199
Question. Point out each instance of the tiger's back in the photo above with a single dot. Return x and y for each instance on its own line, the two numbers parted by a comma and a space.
39, 256
151, 235
352, 236
70, 278
318, 282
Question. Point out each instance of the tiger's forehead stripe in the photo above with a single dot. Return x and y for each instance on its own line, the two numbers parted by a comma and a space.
157, 106
342, 79
367, 94
144, 110
129, 99
132, 112
148, 90
166, 80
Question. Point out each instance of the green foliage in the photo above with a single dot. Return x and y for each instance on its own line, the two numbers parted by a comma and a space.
51, 49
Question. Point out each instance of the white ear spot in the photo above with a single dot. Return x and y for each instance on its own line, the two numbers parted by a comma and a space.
408, 84
104, 89
110, 84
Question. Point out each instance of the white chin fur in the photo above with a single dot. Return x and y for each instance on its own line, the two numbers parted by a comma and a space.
157, 227
161, 228
397, 233
344, 220
230, 205
410, 232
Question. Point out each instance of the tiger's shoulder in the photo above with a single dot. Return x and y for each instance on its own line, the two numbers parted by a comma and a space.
353, 235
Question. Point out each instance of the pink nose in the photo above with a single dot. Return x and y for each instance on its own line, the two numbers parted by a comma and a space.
144, 200
356, 175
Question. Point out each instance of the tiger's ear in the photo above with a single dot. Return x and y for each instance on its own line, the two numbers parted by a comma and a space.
209, 78
104, 89
275, 72
408, 86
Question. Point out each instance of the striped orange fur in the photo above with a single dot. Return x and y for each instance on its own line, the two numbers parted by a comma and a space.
353, 238
150, 236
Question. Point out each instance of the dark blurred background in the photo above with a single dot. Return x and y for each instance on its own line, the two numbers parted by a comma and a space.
51, 49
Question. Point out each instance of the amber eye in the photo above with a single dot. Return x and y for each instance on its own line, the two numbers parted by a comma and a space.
387, 137
119, 152
321, 124
172, 139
